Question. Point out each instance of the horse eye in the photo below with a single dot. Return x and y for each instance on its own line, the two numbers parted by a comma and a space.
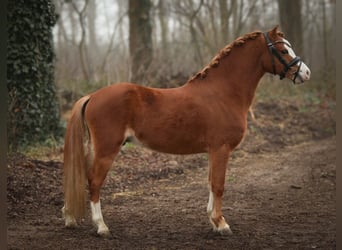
285, 51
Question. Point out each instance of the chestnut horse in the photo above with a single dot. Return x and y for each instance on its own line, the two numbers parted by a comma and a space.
207, 114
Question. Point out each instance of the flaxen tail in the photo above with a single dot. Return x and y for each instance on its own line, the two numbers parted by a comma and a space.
74, 168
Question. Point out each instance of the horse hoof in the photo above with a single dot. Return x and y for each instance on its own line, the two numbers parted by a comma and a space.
225, 231
103, 233
70, 222
220, 226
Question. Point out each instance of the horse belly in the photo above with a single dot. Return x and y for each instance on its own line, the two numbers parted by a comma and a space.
171, 141
167, 121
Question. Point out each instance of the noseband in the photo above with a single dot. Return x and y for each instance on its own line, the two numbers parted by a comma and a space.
287, 66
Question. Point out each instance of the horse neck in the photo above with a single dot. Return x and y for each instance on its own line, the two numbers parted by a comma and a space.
237, 74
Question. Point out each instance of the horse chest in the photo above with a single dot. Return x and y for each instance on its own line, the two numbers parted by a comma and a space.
228, 128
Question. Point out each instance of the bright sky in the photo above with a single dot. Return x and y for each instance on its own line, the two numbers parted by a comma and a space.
107, 17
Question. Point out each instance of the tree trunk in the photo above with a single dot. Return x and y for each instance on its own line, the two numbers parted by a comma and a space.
81, 45
92, 53
33, 109
291, 22
224, 16
163, 23
194, 37
325, 34
140, 39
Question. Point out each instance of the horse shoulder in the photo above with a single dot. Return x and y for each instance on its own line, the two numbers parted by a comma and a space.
228, 125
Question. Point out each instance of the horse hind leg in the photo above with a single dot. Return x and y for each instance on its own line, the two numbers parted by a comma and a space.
96, 176
70, 221
217, 170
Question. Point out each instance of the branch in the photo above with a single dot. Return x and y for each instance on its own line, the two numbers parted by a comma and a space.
81, 46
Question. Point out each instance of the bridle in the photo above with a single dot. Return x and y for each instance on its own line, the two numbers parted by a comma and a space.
287, 66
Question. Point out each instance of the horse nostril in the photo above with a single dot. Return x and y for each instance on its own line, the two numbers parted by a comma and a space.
307, 72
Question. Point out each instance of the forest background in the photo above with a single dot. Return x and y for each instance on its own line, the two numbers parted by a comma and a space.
162, 44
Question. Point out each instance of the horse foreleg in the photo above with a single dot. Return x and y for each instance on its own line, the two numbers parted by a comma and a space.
97, 218
96, 177
217, 170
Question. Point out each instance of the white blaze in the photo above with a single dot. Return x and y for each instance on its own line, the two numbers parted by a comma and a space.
289, 49
304, 71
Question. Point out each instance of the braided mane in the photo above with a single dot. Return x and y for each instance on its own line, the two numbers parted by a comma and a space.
225, 52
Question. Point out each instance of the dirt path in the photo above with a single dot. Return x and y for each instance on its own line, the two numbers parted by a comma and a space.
272, 201
280, 194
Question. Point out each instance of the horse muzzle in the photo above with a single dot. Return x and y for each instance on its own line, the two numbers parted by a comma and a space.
302, 74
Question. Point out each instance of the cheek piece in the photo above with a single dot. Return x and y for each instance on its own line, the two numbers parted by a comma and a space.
296, 74
275, 53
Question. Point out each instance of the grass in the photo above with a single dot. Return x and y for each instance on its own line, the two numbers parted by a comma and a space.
50, 149
129, 145
231, 179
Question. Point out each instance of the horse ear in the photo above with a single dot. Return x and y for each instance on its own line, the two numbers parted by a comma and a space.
275, 30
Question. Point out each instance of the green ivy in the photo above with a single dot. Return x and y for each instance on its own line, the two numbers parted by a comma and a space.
33, 108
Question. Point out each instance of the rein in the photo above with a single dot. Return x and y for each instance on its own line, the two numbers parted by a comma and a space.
287, 66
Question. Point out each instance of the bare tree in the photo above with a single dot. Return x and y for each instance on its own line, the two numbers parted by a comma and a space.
92, 44
291, 22
109, 50
224, 18
241, 12
163, 23
140, 38
186, 35
81, 45
190, 11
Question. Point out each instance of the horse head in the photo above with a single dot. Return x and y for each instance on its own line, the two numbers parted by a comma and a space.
280, 59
